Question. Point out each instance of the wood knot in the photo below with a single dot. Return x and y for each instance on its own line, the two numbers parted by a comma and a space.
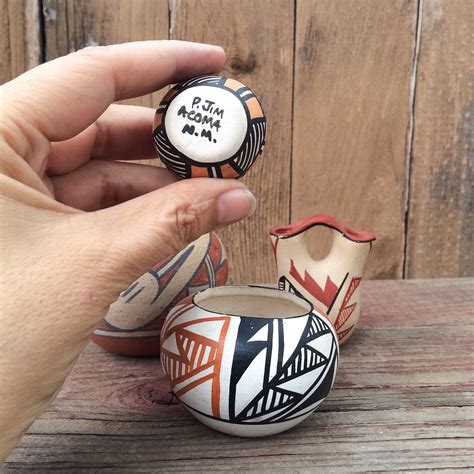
241, 66
158, 393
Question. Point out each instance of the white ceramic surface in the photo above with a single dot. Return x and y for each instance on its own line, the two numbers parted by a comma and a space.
247, 360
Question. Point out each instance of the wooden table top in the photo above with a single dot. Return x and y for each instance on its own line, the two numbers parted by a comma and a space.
402, 401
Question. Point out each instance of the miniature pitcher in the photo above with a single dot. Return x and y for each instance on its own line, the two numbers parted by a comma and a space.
332, 283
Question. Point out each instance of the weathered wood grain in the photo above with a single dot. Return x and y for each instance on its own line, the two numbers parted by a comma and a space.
258, 38
20, 47
376, 130
75, 24
402, 401
353, 67
441, 220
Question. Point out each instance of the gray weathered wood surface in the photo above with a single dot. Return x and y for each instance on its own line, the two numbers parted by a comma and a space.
370, 108
402, 401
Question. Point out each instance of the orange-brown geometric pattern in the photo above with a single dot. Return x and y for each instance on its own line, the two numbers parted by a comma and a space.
255, 109
196, 354
346, 310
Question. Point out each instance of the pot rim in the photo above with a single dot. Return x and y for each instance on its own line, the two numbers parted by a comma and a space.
276, 291
292, 230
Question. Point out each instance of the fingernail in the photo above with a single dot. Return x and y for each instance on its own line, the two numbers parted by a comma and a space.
213, 46
235, 205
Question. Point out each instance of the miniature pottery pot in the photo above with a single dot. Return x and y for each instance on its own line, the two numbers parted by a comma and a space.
209, 126
133, 323
249, 360
332, 283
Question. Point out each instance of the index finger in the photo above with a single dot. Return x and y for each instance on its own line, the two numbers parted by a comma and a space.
62, 97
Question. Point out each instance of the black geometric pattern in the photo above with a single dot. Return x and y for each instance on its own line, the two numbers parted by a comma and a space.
252, 147
169, 155
285, 285
275, 402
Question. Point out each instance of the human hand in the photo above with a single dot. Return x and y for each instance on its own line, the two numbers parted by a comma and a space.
61, 266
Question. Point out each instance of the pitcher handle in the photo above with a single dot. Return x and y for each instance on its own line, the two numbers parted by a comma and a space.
290, 230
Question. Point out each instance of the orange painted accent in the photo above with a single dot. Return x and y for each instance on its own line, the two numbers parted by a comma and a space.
216, 384
325, 296
229, 172
186, 347
199, 172
181, 326
344, 315
221, 276
194, 354
182, 350
182, 378
194, 384
352, 287
179, 312
175, 363
169, 95
346, 310
233, 84
201, 356
342, 334
321, 219
255, 108
157, 119
196, 337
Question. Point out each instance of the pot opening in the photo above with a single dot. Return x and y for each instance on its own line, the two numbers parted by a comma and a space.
252, 302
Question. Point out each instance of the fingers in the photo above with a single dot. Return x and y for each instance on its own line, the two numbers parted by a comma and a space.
122, 132
61, 98
100, 184
136, 234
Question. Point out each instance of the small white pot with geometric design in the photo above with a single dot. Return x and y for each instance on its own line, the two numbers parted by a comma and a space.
249, 360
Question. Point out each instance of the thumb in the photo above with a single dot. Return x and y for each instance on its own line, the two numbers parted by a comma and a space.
137, 234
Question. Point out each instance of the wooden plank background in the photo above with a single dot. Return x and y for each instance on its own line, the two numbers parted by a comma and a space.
441, 212
370, 111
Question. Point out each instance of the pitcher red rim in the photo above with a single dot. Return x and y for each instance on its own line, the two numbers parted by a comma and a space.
292, 230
